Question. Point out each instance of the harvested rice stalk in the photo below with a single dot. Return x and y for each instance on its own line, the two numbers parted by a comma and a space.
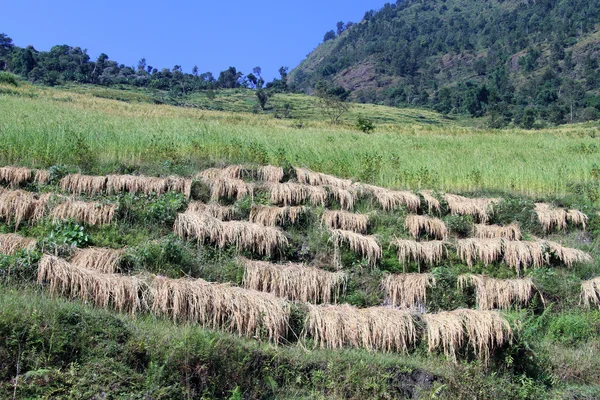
367, 246
568, 255
15, 175
98, 259
375, 328
229, 172
417, 224
480, 208
82, 212
271, 174
393, 199
290, 193
433, 204
273, 216
308, 177
344, 220
19, 205
524, 254
213, 209
508, 232
484, 250
180, 184
229, 188
430, 252
124, 293
590, 292
556, 218
346, 197
497, 293
137, 184
482, 330
577, 218
407, 290
10, 243
220, 306
41, 177
296, 282
87, 184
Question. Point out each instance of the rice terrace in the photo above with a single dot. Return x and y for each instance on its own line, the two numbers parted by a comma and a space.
383, 221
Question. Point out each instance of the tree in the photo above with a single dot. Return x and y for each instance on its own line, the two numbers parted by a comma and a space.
6, 46
141, 67
195, 71
263, 97
332, 101
341, 27
328, 36
229, 78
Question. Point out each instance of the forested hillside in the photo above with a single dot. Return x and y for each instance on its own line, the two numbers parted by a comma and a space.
530, 62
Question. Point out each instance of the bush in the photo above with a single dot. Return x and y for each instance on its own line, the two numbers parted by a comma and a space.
365, 124
8, 78
572, 328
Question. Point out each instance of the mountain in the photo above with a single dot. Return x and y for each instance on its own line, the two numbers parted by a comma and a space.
525, 61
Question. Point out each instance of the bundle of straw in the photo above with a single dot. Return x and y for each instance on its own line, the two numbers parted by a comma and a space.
309, 177
271, 174
213, 209
508, 232
19, 205
10, 243
393, 199
344, 220
590, 292
417, 224
83, 212
290, 193
15, 175
98, 259
407, 290
480, 208
367, 246
497, 293
273, 216
430, 252
87, 184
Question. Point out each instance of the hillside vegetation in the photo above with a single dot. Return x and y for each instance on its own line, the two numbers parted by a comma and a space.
529, 63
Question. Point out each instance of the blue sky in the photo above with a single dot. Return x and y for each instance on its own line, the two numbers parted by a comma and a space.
211, 34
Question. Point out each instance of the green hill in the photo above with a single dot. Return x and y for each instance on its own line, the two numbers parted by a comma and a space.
517, 61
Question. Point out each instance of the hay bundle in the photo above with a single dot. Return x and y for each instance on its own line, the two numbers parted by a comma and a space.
497, 293
480, 208
271, 174
519, 254
375, 328
229, 188
180, 184
433, 204
484, 250
290, 193
98, 259
87, 184
213, 209
15, 175
346, 197
124, 293
137, 184
482, 330
577, 218
10, 243
308, 177
590, 292
84, 212
41, 176
430, 252
260, 239
246, 312
344, 220
394, 199
557, 218
568, 255
367, 246
407, 290
417, 224
295, 282
19, 205
508, 232
273, 216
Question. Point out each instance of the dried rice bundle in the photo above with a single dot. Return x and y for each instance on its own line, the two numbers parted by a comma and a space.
346, 197
137, 184
557, 218
83, 212
87, 184
124, 293
220, 306
416, 224
41, 176
213, 209
367, 246
295, 282
480, 208
229, 188
290, 193
375, 328
568, 255
482, 330
433, 204
430, 252
10, 243
308, 177
98, 259
180, 184
19, 205
590, 292
407, 290
497, 293
484, 250
229, 172
344, 220
271, 174
524, 254
273, 216
394, 199
508, 232
15, 175
577, 218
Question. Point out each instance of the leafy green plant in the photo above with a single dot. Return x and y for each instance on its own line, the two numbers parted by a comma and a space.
365, 124
8, 78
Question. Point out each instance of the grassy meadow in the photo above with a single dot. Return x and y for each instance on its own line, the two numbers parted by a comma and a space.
409, 149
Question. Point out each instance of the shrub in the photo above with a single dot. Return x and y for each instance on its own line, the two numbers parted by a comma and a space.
365, 124
8, 78
572, 328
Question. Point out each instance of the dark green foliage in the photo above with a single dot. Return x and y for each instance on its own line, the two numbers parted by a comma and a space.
8, 78
572, 328
365, 124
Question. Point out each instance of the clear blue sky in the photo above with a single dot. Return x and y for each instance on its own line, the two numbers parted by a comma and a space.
211, 34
